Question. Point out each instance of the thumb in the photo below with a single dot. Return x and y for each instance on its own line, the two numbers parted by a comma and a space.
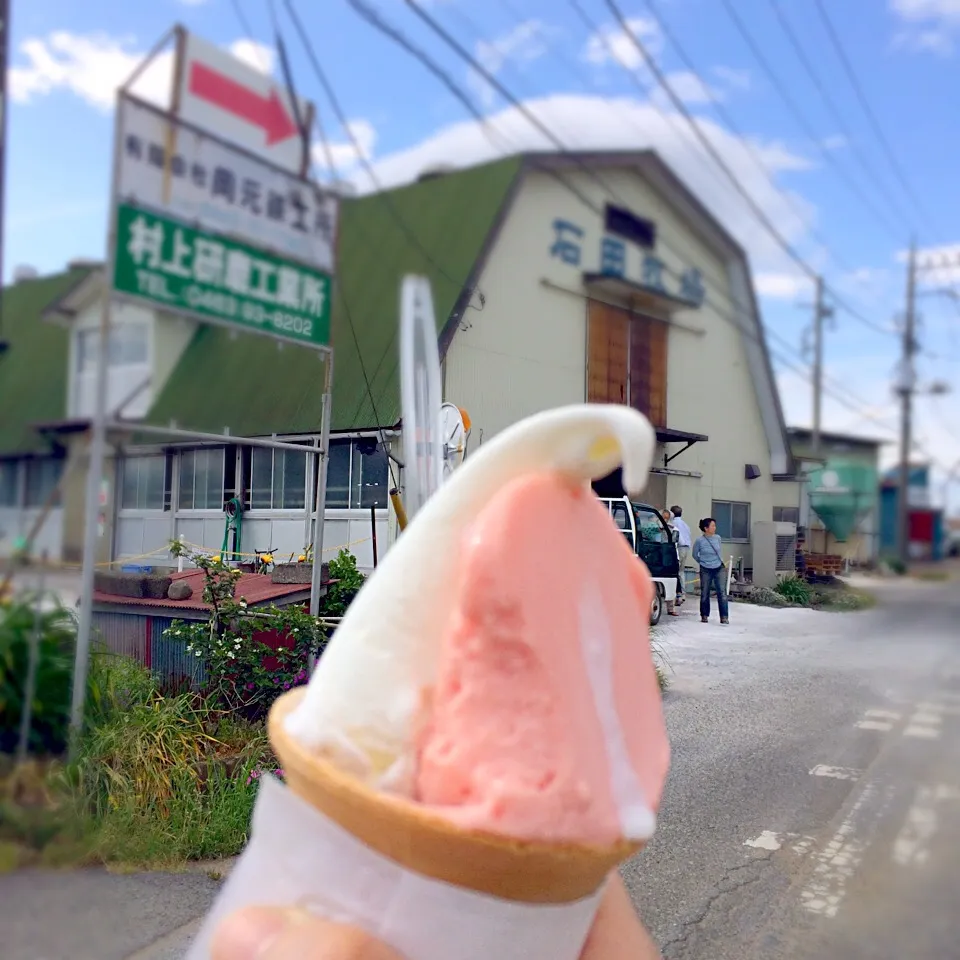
280, 933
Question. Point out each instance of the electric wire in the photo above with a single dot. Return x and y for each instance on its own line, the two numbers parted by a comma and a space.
811, 72
507, 94
871, 116
758, 211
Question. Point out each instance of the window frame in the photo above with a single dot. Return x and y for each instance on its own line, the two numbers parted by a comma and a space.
249, 462
165, 496
183, 454
11, 468
355, 489
31, 502
731, 504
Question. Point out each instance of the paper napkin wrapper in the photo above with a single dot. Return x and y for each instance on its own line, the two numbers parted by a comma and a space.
297, 856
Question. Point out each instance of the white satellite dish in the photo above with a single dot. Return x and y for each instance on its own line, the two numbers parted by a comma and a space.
420, 394
454, 430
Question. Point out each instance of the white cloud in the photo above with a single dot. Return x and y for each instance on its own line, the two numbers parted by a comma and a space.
733, 78
525, 43
689, 87
936, 265
611, 44
92, 66
782, 286
603, 123
254, 54
836, 141
929, 25
343, 154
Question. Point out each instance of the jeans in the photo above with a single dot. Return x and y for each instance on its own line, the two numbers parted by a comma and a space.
684, 553
708, 579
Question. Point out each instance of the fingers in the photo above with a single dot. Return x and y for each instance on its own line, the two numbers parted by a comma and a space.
275, 933
617, 933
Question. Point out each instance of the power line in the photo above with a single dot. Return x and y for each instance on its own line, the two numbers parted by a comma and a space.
828, 100
750, 333
801, 119
718, 159
865, 104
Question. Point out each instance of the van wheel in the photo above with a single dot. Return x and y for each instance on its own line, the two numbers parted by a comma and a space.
656, 608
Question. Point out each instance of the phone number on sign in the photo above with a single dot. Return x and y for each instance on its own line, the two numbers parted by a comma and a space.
225, 305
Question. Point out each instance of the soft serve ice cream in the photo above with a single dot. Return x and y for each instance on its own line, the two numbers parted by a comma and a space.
495, 669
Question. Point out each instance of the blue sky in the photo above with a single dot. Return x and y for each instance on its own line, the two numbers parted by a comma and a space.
589, 86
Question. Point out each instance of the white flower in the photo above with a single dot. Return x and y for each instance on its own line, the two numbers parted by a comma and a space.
198, 653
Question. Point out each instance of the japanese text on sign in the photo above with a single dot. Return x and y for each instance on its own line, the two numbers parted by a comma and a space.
219, 279
615, 257
195, 177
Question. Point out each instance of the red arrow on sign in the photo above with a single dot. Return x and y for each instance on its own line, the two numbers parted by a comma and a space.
268, 112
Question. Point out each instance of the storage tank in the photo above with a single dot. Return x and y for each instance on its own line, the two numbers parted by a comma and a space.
841, 493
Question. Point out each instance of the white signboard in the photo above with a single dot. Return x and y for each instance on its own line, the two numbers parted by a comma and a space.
176, 170
233, 100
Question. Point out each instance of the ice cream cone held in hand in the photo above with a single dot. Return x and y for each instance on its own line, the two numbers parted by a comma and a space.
487, 713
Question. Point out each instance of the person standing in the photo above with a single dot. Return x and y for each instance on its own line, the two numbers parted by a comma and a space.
683, 549
707, 555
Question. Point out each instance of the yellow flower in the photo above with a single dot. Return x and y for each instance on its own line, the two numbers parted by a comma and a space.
302, 558
216, 559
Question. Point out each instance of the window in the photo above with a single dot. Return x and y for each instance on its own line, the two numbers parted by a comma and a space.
357, 475
201, 480
143, 483
278, 480
42, 479
128, 347
9, 490
631, 227
786, 515
733, 519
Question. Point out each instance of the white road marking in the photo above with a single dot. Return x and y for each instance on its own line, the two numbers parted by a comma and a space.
838, 861
922, 733
912, 846
874, 725
882, 714
768, 840
837, 773
925, 717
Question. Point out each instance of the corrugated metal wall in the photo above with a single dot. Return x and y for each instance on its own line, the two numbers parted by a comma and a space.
141, 638
170, 661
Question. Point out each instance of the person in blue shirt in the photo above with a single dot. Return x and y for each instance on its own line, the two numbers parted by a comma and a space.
707, 555
683, 549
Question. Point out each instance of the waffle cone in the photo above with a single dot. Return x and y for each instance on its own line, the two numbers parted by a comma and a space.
428, 844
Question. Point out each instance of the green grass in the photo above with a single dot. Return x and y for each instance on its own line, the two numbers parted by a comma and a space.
158, 781
842, 599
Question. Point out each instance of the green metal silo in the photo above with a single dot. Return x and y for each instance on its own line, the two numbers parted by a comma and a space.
842, 492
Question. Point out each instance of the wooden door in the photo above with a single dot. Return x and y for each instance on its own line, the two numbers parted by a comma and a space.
627, 361
608, 354
648, 368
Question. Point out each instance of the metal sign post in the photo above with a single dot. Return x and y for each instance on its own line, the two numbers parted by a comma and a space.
316, 574
96, 457
221, 227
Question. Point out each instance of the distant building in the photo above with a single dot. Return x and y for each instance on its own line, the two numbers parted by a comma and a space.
926, 527
855, 463
549, 290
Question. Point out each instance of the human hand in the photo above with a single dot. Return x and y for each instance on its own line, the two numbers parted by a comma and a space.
276, 933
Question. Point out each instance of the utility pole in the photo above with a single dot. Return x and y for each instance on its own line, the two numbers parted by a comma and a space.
4, 60
907, 387
821, 312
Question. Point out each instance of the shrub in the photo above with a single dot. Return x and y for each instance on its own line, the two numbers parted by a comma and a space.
349, 579
795, 590
19, 620
765, 597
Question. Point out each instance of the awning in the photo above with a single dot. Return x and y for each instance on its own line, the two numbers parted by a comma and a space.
666, 435
636, 295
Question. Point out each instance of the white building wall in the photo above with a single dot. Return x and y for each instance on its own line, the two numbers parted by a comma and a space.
526, 350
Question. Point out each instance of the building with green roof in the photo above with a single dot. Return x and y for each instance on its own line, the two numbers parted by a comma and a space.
555, 279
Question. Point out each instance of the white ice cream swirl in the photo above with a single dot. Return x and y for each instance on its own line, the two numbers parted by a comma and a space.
363, 701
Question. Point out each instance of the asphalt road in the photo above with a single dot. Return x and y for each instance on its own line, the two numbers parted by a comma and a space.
812, 809
813, 806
